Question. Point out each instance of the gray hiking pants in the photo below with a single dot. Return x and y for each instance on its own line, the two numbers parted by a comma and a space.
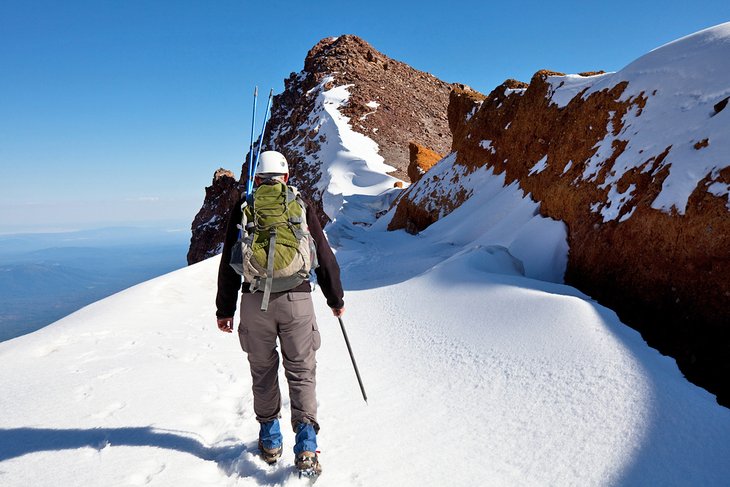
290, 317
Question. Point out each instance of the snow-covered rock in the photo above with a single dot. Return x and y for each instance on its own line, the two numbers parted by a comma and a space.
637, 165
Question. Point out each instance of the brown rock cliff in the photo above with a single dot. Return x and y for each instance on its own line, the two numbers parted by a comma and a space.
665, 274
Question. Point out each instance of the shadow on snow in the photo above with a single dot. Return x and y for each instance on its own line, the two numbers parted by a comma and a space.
235, 459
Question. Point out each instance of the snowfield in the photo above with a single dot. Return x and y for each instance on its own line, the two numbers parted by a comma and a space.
481, 368
474, 378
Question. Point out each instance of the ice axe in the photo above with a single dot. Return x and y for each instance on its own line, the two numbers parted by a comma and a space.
352, 357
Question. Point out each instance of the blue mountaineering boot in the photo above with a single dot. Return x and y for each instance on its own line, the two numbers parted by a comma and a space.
270, 441
305, 451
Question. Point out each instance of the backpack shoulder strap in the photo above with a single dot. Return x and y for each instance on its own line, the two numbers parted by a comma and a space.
244, 220
292, 193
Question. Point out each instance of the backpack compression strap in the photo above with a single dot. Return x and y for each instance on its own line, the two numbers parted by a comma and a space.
269, 270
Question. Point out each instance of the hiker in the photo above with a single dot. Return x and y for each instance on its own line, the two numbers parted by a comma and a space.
289, 316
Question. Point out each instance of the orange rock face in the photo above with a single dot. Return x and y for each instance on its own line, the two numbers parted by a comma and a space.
422, 159
665, 273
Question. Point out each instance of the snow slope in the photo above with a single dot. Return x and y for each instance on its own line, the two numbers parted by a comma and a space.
477, 372
473, 377
348, 162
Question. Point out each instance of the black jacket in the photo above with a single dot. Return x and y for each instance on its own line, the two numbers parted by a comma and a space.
229, 282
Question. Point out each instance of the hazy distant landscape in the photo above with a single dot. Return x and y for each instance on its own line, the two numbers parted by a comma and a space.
44, 277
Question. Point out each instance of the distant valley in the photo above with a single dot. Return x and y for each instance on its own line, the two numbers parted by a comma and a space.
44, 277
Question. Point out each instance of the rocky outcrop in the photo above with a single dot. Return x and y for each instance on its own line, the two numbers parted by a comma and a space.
209, 225
648, 214
422, 159
389, 102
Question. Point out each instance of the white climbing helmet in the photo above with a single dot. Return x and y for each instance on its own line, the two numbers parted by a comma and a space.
272, 162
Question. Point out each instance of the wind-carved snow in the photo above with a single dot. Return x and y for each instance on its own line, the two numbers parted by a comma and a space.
604, 150
487, 145
492, 214
616, 201
473, 111
539, 166
371, 104
429, 191
568, 166
564, 88
142, 387
348, 161
517, 91
681, 82
720, 189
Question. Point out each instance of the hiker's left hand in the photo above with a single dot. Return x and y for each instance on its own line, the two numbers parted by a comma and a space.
338, 311
225, 324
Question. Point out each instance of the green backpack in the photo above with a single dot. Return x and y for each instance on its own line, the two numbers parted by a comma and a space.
275, 251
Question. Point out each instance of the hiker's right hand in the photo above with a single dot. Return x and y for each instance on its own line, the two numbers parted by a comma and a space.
225, 325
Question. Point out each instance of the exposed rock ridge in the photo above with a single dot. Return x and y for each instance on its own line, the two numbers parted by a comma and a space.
209, 225
664, 272
389, 102
411, 104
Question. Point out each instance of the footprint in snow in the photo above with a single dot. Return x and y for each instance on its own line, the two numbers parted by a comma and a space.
110, 410
147, 476
83, 392
113, 372
249, 464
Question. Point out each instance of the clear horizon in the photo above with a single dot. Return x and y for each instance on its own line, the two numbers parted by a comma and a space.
163, 225
120, 112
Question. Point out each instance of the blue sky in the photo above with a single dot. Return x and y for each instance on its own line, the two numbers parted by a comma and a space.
119, 112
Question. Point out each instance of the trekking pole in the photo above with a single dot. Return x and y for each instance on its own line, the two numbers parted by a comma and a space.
352, 357
263, 128
249, 181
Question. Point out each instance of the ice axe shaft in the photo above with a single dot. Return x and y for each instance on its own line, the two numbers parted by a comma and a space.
352, 357
249, 181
